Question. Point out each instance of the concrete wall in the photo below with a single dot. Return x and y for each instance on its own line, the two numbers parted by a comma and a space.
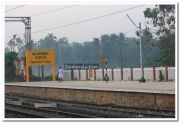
148, 74
128, 99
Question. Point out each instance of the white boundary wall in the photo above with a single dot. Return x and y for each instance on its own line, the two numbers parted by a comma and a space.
148, 74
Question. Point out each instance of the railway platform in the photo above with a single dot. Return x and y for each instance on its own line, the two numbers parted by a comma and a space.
127, 86
153, 95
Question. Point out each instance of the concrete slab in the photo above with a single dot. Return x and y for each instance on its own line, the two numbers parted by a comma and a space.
45, 105
125, 86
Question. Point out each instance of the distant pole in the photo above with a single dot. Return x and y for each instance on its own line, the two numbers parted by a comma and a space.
154, 73
120, 58
140, 50
100, 49
106, 73
100, 52
39, 66
121, 61
59, 52
142, 79
106, 76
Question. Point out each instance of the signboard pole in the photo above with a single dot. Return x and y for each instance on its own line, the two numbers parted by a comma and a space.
27, 66
53, 66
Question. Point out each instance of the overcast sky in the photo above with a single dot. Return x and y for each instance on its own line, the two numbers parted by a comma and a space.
80, 32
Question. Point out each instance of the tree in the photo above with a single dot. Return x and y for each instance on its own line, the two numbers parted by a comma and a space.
19, 43
10, 66
12, 43
168, 48
163, 19
48, 42
16, 44
117, 48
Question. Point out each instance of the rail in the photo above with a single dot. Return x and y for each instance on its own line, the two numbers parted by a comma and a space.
99, 110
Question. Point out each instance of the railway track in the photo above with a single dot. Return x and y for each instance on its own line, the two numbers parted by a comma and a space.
99, 110
42, 112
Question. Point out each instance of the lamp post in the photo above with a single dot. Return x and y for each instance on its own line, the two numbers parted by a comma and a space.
142, 79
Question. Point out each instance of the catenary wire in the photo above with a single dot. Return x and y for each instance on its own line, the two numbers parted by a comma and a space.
83, 21
91, 19
14, 8
50, 11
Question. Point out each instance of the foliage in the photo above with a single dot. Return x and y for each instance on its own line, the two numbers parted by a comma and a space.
10, 69
163, 19
168, 50
117, 48
161, 76
15, 43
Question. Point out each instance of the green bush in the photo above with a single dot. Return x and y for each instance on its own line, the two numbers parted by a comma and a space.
10, 75
161, 76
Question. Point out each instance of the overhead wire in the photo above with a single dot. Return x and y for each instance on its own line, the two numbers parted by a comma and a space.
50, 11
91, 19
87, 20
122, 32
14, 8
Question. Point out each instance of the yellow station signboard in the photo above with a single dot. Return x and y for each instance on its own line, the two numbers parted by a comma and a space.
39, 57
102, 60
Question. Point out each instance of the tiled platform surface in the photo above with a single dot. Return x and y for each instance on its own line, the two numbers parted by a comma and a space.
127, 86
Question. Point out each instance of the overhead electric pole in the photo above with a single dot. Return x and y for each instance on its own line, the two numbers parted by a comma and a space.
142, 79
27, 36
27, 23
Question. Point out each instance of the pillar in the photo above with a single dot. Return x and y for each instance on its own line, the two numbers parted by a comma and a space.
131, 73
121, 73
166, 73
112, 72
102, 74
79, 74
154, 73
94, 74
86, 74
